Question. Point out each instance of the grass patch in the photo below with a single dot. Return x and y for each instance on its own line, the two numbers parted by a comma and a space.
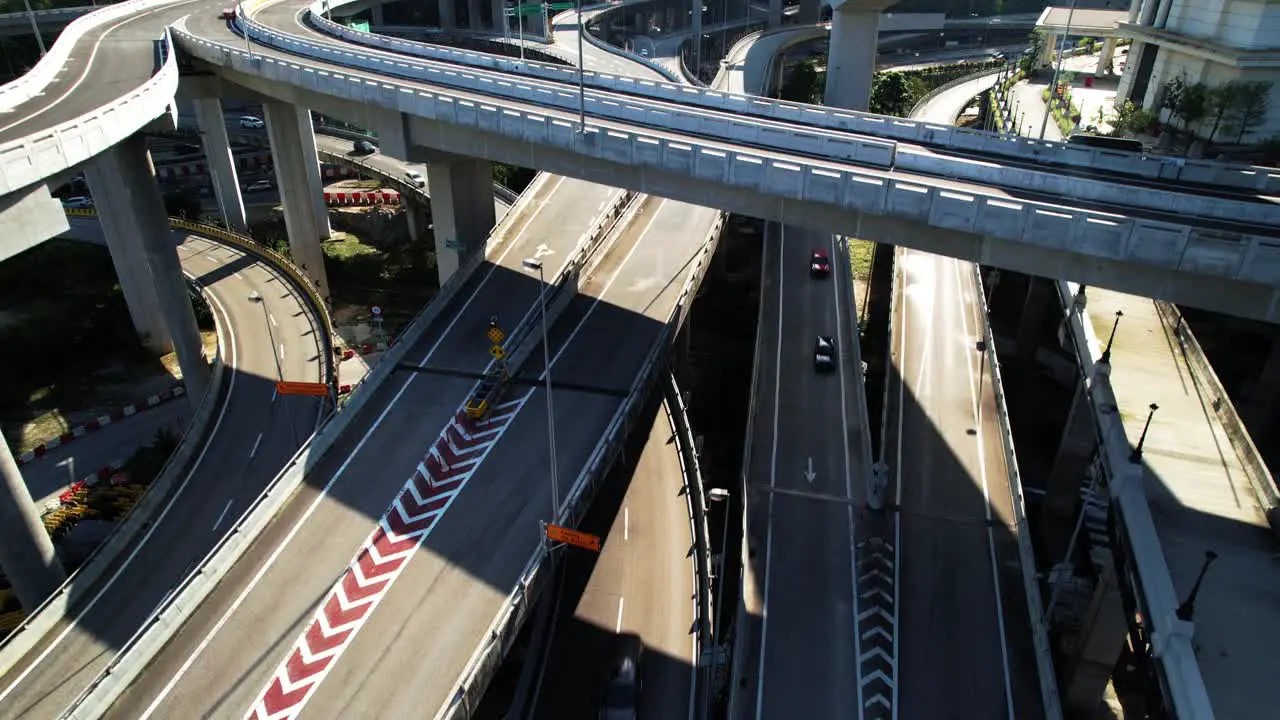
861, 253
398, 279
360, 185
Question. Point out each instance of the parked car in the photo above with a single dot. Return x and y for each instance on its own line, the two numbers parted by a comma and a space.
819, 264
414, 178
250, 122
622, 696
824, 353
259, 186
364, 147
78, 201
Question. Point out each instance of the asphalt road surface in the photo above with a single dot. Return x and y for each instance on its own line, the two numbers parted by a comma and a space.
803, 525
253, 434
225, 654
964, 637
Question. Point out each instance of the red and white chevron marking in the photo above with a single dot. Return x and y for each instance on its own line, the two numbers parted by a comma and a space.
423, 500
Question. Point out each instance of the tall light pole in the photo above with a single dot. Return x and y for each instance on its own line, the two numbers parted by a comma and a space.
35, 27
535, 264
1057, 69
582, 88
520, 25
718, 495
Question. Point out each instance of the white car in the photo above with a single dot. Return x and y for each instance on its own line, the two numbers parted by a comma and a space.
414, 178
77, 202
259, 186
252, 123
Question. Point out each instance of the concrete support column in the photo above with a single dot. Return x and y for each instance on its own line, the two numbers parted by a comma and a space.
130, 200
1124, 90
448, 14
120, 228
393, 135
851, 56
418, 220
1094, 651
1076, 449
695, 31
375, 16
1264, 395
298, 177
26, 552
473, 14
496, 7
809, 11
1040, 296
1049, 50
1107, 55
775, 14
222, 164
1162, 17
461, 208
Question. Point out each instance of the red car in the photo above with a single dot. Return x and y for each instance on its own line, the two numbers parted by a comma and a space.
819, 264
227, 14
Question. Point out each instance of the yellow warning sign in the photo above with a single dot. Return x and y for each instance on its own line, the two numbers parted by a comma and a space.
583, 540
496, 335
497, 352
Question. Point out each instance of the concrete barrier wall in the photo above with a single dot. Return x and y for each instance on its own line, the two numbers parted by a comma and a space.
1205, 172
497, 640
42, 155
734, 180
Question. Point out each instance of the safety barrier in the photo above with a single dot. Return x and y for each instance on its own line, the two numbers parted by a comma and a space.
1213, 395
500, 635
1168, 246
362, 197
1204, 172
1174, 651
1026, 556
45, 617
41, 155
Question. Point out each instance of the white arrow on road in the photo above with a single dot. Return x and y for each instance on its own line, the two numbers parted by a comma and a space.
542, 250
810, 474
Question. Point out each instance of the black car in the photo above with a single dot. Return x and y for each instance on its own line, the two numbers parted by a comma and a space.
364, 147
819, 264
824, 353
622, 697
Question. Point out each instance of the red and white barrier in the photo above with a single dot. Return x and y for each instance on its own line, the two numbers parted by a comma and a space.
102, 421
380, 197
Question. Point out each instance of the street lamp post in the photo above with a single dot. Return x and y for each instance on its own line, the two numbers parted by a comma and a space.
718, 495
1187, 609
535, 264
1135, 457
1057, 69
35, 27
582, 88
1106, 354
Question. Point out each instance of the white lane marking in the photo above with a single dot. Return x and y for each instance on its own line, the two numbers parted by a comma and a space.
254, 451
230, 360
237, 275
275, 393
324, 492
773, 467
986, 492
848, 475
223, 514
212, 258
618, 627
626, 523
272, 318
281, 352
88, 66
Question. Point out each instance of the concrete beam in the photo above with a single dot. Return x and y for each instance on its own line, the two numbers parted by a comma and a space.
134, 220
26, 552
222, 166
29, 217
299, 193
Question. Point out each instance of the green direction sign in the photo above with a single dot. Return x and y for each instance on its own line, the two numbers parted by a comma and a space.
560, 6
526, 10
362, 26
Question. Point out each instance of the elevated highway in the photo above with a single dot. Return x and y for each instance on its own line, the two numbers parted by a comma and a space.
251, 434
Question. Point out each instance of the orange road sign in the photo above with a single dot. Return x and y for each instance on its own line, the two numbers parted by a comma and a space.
496, 336
302, 388
587, 541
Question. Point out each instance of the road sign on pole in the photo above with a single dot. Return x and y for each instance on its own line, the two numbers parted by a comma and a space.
376, 310
497, 352
586, 541
496, 335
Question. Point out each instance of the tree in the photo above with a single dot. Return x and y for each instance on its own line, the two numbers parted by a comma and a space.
1131, 118
802, 83
893, 93
1035, 43
1185, 101
1221, 100
182, 204
1250, 110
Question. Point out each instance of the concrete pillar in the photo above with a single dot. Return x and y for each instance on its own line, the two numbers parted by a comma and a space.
1148, 14
775, 14
26, 552
461, 208
1106, 56
1049, 50
393, 134
1075, 452
809, 11
131, 200
1162, 17
295, 163
1039, 298
1094, 651
120, 228
448, 14
695, 32
1125, 89
375, 16
221, 162
496, 8
1264, 394
417, 217
473, 14
851, 57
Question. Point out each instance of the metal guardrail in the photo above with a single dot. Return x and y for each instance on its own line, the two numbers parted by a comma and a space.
1214, 395
501, 633
1026, 556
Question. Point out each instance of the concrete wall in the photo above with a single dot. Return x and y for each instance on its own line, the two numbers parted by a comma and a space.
29, 217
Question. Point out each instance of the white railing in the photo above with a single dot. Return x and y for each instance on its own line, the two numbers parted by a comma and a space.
818, 186
41, 155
